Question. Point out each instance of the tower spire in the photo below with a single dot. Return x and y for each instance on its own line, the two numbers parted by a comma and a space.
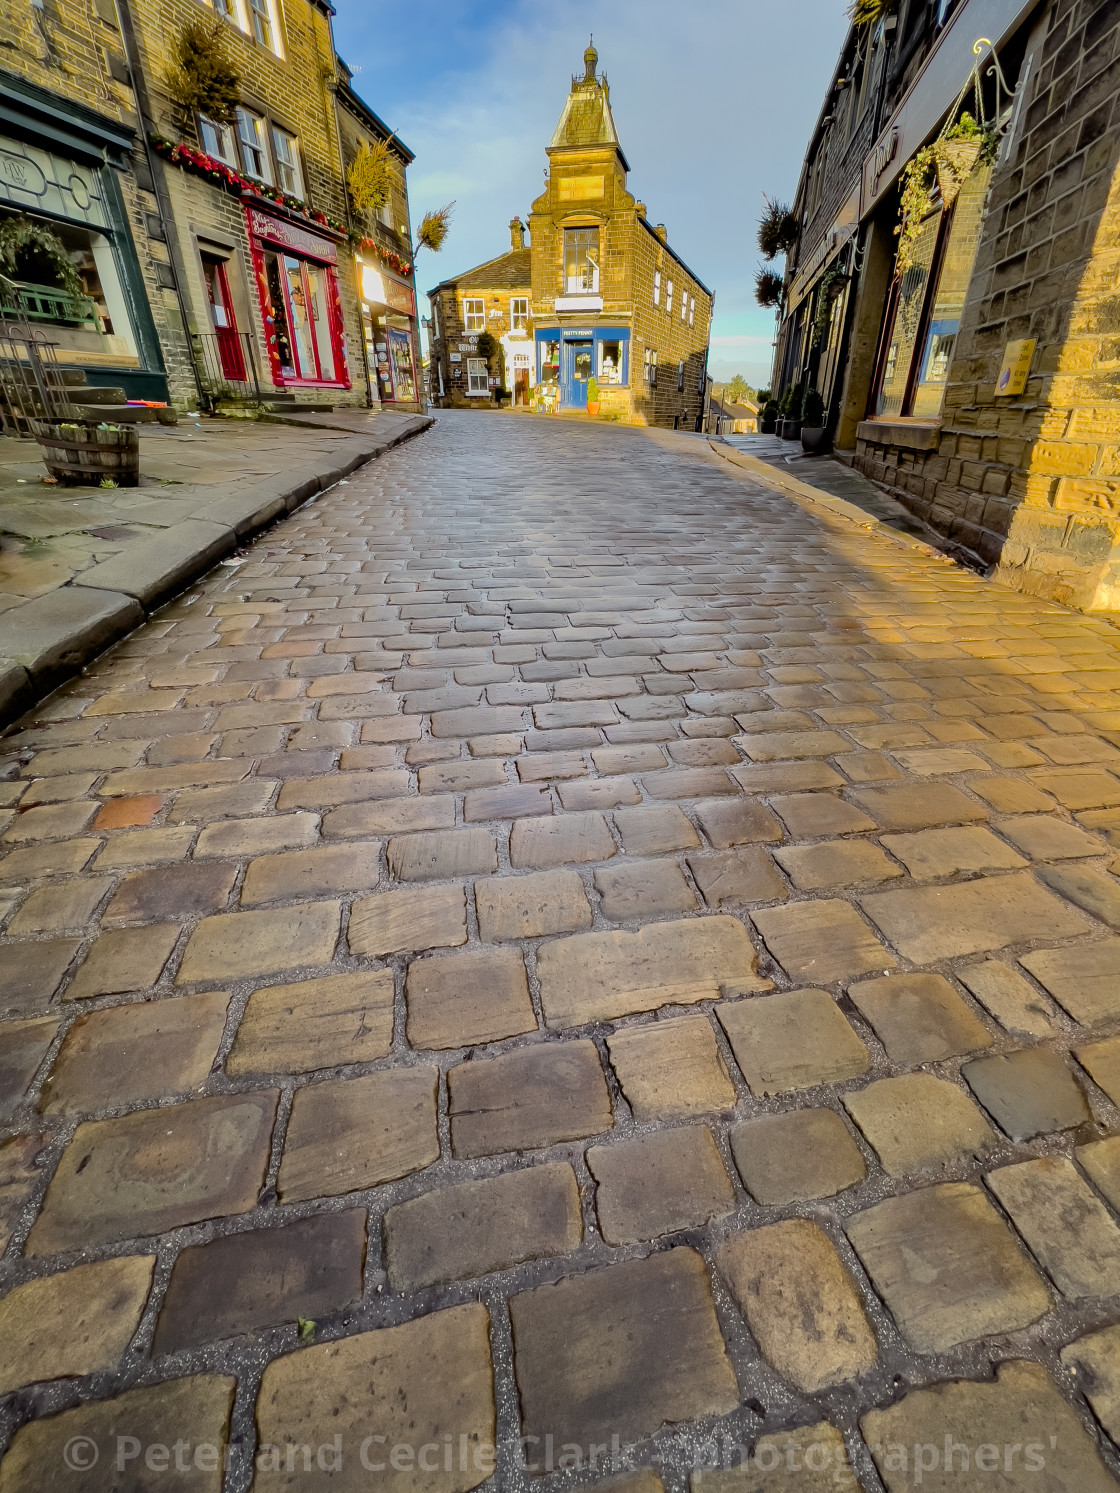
590, 59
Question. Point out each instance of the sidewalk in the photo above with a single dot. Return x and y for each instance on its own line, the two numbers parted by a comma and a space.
82, 566
827, 475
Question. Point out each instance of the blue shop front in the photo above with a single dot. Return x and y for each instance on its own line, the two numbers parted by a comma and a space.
568, 357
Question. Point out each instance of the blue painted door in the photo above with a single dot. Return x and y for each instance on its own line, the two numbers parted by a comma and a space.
577, 370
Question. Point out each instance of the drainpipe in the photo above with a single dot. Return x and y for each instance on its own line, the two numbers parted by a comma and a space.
159, 184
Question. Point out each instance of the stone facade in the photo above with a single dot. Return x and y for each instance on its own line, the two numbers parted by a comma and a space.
286, 82
1024, 483
494, 297
617, 301
70, 107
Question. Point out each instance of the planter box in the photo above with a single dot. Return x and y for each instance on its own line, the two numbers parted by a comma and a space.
815, 439
84, 455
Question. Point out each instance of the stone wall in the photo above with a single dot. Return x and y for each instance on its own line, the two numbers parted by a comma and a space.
1029, 483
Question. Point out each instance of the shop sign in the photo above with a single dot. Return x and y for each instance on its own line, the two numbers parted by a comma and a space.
398, 296
1016, 366
46, 182
291, 236
456, 357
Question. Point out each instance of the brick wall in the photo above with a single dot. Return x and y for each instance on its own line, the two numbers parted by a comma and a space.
1030, 483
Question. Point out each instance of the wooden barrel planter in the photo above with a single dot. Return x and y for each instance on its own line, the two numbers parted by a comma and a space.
83, 455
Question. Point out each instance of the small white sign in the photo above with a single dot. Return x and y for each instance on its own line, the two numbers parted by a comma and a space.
456, 357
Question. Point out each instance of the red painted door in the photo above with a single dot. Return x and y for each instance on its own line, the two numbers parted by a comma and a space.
230, 355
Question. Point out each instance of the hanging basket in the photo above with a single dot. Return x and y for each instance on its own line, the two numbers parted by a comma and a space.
83, 455
955, 161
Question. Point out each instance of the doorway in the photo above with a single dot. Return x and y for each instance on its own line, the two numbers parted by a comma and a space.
231, 359
577, 370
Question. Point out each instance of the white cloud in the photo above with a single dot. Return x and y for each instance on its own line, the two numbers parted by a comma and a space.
713, 106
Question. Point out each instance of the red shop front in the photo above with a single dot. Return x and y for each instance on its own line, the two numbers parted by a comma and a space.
297, 281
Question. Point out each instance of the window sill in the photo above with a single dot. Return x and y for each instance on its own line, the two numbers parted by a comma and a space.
911, 435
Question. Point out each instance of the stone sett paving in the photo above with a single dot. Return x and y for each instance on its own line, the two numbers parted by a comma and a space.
564, 967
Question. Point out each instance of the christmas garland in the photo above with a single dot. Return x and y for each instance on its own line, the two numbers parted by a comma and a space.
198, 163
387, 257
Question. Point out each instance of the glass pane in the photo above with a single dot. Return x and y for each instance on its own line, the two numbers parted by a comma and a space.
610, 362
302, 332
952, 287
581, 364
320, 318
908, 313
550, 361
400, 347
279, 317
581, 259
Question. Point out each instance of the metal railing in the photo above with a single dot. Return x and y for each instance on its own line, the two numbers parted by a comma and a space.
47, 303
32, 385
227, 365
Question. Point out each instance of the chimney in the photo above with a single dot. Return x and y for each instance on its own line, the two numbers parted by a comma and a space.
516, 233
659, 229
640, 209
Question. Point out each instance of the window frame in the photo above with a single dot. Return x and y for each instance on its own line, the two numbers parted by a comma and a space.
220, 132
680, 376
518, 320
260, 143
657, 287
262, 24
669, 297
692, 310
473, 365
577, 284
278, 133
651, 367
469, 315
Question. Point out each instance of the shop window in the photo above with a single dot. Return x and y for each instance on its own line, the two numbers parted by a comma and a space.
925, 309
299, 292
285, 148
657, 287
610, 369
254, 147
550, 362
518, 312
260, 19
400, 356
669, 296
948, 299
581, 260
474, 314
217, 141
97, 320
478, 376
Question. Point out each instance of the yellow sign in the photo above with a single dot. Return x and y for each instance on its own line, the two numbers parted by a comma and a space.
1016, 366
579, 188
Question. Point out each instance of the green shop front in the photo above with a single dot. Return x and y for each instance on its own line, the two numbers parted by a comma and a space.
60, 171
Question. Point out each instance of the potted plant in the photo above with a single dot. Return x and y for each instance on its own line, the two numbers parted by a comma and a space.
593, 396
768, 422
79, 453
789, 426
814, 435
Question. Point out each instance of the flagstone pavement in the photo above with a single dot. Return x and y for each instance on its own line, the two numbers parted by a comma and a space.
561, 967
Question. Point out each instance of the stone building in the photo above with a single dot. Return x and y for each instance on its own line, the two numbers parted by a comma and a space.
977, 382
383, 253
494, 297
610, 298
73, 162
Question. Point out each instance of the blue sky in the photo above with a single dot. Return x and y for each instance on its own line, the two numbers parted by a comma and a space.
713, 103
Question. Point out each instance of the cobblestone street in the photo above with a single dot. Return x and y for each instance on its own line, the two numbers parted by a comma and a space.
565, 963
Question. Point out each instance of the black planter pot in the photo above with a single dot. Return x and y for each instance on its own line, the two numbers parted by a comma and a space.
789, 430
815, 439
768, 425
